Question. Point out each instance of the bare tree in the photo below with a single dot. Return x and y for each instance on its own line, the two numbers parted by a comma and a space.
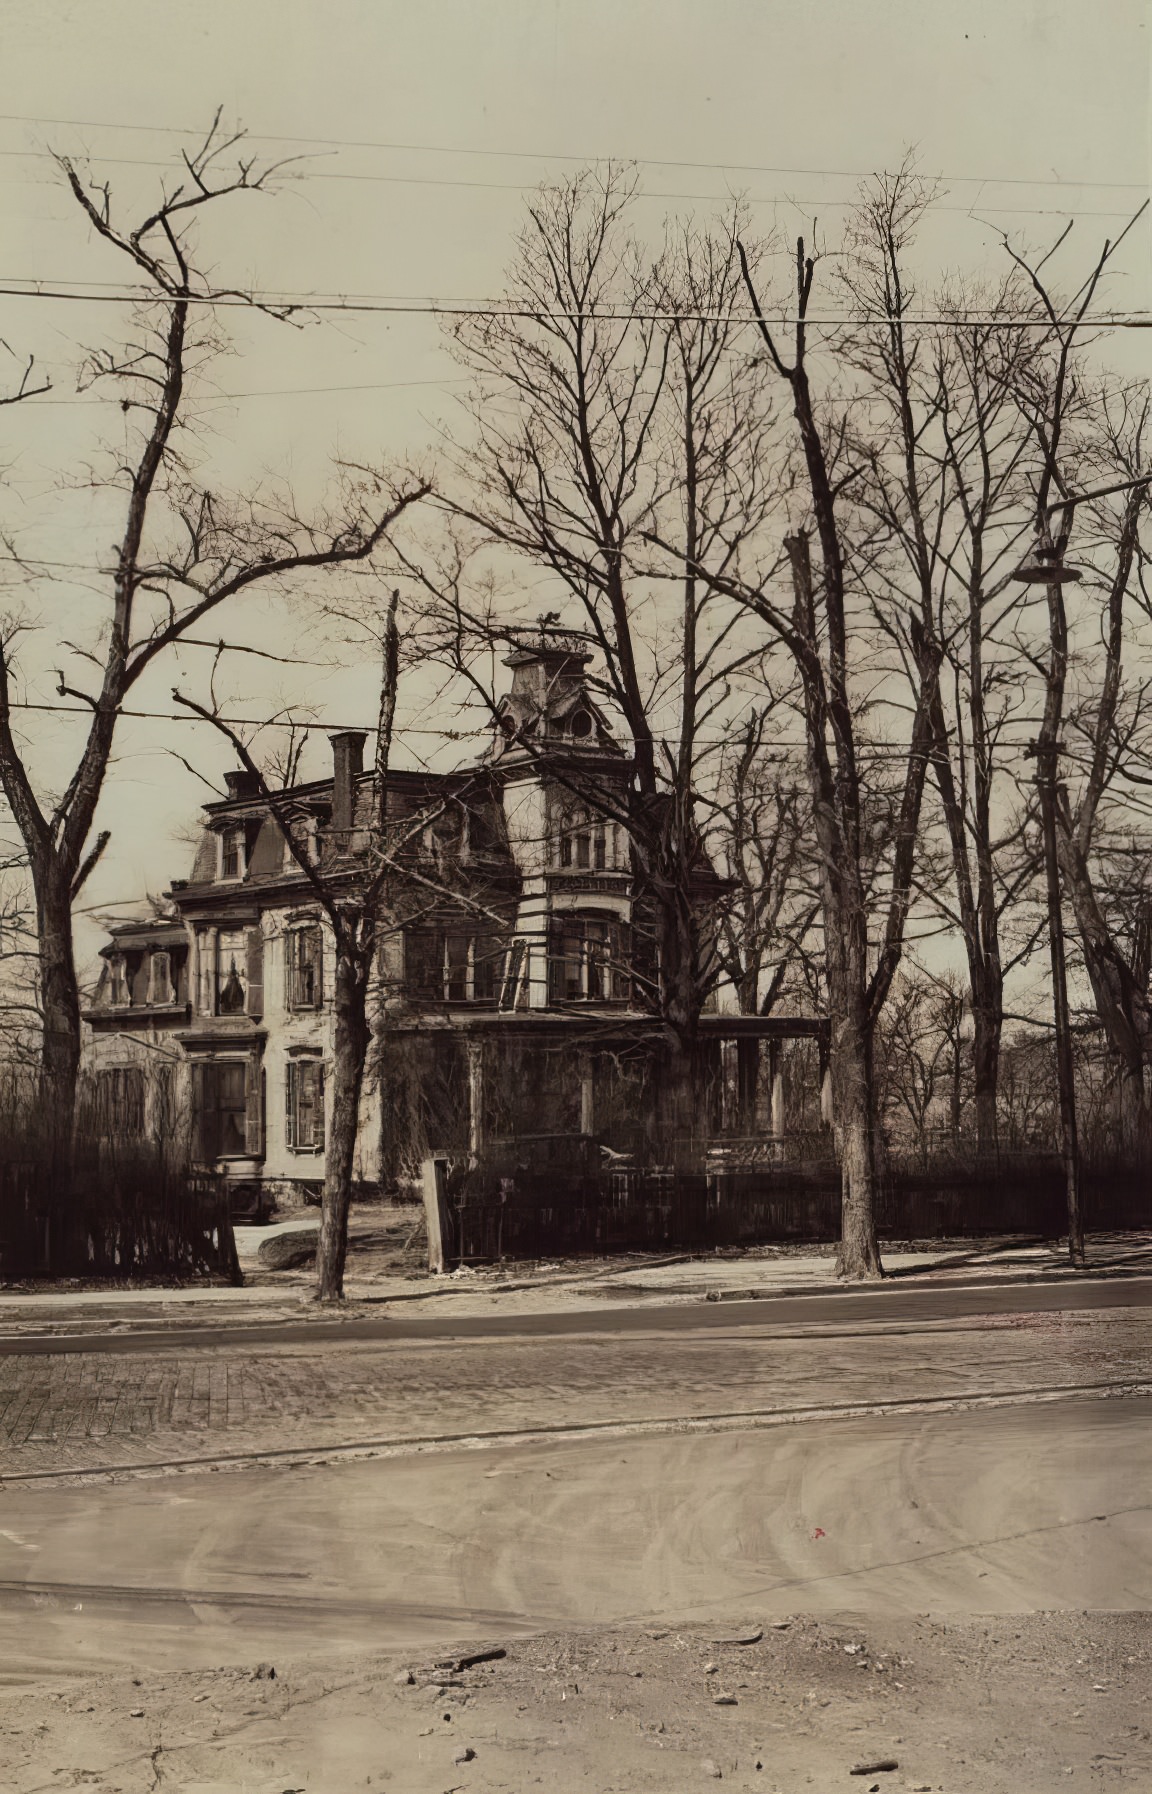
761, 820
921, 1070
370, 881
19, 1008
1110, 747
183, 551
947, 460
353, 900
815, 632
1053, 401
617, 445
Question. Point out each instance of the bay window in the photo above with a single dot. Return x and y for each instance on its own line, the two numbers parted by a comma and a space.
586, 959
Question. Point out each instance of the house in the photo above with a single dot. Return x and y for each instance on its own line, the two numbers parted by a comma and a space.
513, 970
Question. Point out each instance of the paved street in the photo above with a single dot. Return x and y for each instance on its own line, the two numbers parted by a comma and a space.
144, 1401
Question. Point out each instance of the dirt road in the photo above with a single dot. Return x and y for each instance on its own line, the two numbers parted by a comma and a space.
970, 1548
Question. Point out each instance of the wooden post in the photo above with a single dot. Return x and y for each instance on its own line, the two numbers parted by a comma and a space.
435, 1213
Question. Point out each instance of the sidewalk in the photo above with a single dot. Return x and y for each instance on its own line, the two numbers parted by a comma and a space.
625, 1281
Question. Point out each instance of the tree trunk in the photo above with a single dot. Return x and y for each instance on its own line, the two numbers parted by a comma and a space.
1133, 1109
987, 1027
680, 996
349, 1049
850, 1062
1121, 1002
59, 1001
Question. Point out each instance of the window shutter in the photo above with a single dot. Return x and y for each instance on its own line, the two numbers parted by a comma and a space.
318, 967
318, 1104
255, 944
513, 971
254, 1108
420, 962
290, 1071
199, 1130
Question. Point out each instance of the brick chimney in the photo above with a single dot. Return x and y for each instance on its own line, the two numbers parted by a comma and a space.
241, 784
347, 765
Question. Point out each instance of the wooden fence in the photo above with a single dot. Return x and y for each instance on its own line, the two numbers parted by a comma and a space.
556, 1198
122, 1219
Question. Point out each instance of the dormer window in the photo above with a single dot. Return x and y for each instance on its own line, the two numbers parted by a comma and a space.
118, 996
306, 834
160, 990
232, 854
581, 725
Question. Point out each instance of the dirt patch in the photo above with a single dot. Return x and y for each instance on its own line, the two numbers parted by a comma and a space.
1008, 1705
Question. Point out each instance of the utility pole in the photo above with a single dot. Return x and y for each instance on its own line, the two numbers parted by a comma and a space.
1047, 567
1046, 753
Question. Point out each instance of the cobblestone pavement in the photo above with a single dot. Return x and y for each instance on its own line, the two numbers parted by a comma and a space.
78, 1412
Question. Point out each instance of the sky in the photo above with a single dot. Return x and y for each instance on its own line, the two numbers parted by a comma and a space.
419, 131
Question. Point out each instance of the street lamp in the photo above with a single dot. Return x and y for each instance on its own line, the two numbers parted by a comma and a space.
1045, 565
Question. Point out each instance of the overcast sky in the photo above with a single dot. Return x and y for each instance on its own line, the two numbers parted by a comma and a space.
422, 127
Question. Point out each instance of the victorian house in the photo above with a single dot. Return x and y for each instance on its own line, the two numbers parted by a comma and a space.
513, 968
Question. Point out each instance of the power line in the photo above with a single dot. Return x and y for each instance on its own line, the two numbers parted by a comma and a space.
441, 149
880, 748
753, 199
271, 392
449, 308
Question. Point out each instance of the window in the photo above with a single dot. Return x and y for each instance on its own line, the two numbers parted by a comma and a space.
304, 953
120, 1103
306, 834
443, 837
586, 960
232, 855
119, 995
160, 989
484, 830
304, 1105
221, 1091
232, 972
513, 980
447, 965
586, 841
581, 725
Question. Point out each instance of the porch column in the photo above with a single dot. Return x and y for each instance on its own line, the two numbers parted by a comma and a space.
776, 1085
193, 971
826, 1115
210, 971
747, 1079
475, 1097
587, 1095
